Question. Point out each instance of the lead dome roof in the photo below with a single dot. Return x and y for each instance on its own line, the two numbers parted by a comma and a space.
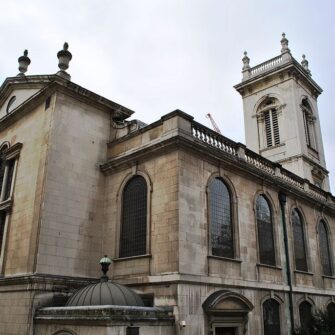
105, 293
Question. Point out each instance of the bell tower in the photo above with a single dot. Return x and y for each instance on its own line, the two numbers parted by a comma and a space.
281, 114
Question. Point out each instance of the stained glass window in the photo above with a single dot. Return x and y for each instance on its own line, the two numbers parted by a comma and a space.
271, 317
265, 232
299, 241
305, 313
221, 228
134, 218
324, 249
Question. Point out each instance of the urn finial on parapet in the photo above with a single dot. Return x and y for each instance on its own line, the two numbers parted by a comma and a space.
64, 57
284, 44
246, 61
24, 62
246, 66
304, 64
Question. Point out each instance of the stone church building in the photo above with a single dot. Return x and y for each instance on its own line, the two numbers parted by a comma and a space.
203, 235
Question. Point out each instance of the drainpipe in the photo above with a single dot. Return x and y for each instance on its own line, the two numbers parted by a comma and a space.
282, 201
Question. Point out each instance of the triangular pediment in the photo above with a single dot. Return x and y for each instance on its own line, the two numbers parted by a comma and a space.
17, 90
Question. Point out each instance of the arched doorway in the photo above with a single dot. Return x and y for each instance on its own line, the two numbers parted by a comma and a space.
227, 313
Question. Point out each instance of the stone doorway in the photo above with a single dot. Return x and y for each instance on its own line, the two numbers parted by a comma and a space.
227, 313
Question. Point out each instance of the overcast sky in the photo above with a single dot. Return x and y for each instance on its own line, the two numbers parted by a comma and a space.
154, 56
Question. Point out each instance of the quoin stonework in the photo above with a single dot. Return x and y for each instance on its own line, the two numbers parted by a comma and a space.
196, 234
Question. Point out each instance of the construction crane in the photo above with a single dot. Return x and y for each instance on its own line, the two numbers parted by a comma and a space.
215, 126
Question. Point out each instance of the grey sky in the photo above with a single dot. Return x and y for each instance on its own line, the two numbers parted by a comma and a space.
154, 56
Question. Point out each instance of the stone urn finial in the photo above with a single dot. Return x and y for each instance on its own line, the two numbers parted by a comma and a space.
64, 57
24, 62
246, 61
304, 64
284, 44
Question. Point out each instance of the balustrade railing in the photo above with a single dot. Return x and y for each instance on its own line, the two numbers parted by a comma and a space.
214, 139
266, 65
292, 178
220, 142
259, 162
317, 192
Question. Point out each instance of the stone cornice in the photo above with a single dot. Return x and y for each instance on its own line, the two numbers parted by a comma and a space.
104, 315
236, 163
44, 279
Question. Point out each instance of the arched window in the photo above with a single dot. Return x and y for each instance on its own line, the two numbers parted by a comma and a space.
268, 118
299, 241
265, 231
271, 317
10, 103
309, 124
305, 314
220, 218
331, 314
324, 249
134, 218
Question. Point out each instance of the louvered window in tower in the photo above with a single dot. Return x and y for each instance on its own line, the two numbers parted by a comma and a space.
271, 128
134, 218
309, 124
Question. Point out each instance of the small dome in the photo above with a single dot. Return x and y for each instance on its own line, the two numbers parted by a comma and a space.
105, 293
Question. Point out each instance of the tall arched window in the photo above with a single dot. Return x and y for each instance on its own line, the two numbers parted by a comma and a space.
271, 317
268, 119
305, 314
309, 124
220, 217
324, 249
299, 241
265, 231
134, 218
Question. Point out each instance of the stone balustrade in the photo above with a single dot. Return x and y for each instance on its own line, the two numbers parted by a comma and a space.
216, 140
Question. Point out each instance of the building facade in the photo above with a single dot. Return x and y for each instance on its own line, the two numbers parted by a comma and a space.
219, 237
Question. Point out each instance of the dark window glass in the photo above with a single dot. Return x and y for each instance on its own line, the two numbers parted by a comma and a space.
299, 242
265, 232
324, 249
8, 185
47, 102
133, 331
134, 218
2, 227
220, 219
271, 317
305, 313
2, 170
331, 315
